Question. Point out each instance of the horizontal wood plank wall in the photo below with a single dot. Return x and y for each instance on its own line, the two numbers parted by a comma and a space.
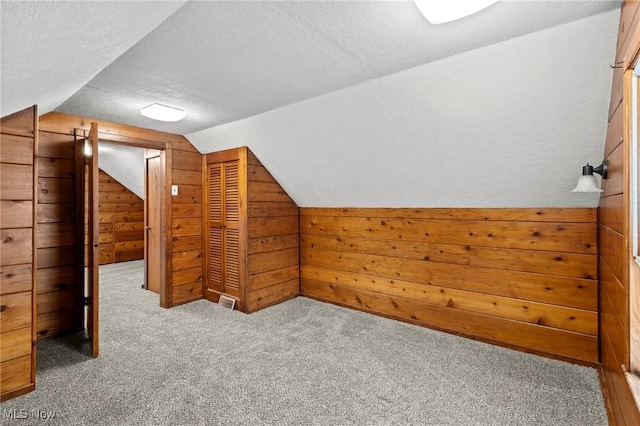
187, 228
523, 278
59, 308
18, 148
613, 229
183, 260
121, 219
273, 260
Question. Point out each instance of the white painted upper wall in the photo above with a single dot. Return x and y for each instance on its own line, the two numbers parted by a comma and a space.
508, 125
125, 164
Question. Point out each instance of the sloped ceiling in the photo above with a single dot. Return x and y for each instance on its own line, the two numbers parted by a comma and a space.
508, 125
347, 103
50, 50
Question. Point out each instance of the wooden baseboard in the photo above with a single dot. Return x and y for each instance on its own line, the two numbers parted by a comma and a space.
17, 392
606, 396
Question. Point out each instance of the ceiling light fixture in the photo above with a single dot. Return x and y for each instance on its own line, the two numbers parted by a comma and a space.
163, 113
441, 11
587, 182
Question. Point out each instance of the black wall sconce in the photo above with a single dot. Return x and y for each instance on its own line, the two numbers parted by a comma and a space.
587, 182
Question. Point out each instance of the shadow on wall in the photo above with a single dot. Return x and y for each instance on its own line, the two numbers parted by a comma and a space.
125, 164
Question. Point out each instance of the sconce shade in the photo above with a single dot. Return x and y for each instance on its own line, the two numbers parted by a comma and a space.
587, 183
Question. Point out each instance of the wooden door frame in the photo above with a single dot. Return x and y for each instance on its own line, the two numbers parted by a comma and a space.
165, 205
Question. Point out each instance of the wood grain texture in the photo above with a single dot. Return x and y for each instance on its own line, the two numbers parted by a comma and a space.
617, 306
59, 288
16, 214
121, 235
554, 236
16, 182
16, 278
437, 267
616, 182
16, 149
57, 131
268, 232
18, 230
66, 124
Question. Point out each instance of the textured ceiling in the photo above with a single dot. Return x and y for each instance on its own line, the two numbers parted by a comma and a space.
508, 125
50, 50
224, 61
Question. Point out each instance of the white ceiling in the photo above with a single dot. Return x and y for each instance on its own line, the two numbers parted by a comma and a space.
50, 50
222, 61
228, 63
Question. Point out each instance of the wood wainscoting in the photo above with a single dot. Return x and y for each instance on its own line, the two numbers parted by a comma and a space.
60, 306
252, 244
522, 278
121, 222
18, 168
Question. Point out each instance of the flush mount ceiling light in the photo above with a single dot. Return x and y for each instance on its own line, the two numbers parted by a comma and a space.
587, 182
441, 11
163, 113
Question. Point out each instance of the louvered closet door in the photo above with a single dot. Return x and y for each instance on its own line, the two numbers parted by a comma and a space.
224, 218
231, 237
215, 280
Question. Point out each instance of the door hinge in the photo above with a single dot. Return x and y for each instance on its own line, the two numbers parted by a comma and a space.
85, 300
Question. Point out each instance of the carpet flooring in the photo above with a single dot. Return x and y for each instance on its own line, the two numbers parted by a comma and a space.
298, 363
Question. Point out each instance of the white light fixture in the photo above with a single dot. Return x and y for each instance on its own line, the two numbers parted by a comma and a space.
163, 112
587, 182
87, 150
441, 11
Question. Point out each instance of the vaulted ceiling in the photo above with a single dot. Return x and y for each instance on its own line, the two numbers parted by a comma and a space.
360, 103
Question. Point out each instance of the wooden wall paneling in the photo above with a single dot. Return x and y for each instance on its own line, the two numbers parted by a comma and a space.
57, 237
273, 246
187, 158
611, 212
616, 181
466, 271
567, 264
121, 227
571, 215
187, 230
269, 243
615, 261
560, 237
15, 278
18, 255
614, 131
16, 214
17, 181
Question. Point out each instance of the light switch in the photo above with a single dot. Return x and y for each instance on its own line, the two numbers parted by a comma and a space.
174, 189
